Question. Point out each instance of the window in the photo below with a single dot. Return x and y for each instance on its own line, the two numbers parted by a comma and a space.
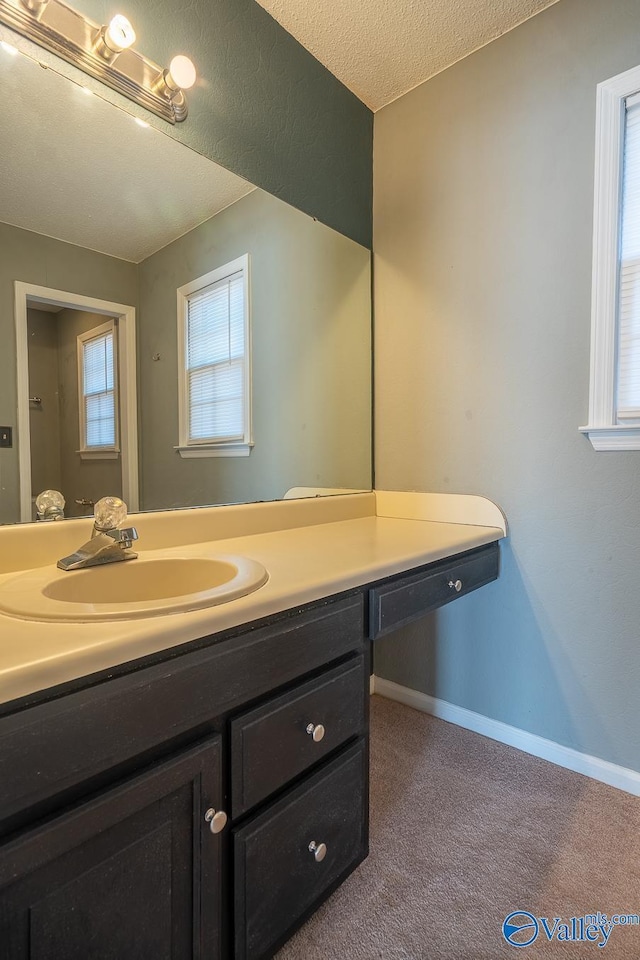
614, 396
215, 368
97, 392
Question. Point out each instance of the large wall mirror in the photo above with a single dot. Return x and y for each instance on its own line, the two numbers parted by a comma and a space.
169, 332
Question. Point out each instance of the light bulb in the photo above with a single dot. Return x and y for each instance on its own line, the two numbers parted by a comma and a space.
183, 72
119, 35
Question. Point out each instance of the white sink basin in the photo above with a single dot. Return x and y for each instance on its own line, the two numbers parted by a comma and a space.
128, 590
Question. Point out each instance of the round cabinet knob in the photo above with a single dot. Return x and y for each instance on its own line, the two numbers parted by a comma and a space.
456, 585
315, 730
319, 851
217, 820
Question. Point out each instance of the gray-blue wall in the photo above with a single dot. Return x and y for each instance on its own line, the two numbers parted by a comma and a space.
483, 232
264, 107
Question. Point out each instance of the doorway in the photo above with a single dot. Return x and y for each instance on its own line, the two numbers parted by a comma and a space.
77, 406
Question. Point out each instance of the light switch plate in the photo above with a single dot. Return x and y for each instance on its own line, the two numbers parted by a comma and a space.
6, 436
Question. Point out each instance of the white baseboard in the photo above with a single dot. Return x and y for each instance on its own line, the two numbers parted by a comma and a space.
616, 776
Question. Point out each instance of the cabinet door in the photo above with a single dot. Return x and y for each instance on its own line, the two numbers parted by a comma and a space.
133, 873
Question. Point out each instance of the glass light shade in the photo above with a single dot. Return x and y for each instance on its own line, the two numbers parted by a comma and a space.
119, 35
183, 72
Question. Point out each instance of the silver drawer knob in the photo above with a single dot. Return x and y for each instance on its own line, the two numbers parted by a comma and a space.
456, 585
315, 730
319, 851
217, 820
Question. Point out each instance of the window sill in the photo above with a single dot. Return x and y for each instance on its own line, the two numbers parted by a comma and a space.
214, 450
616, 437
99, 454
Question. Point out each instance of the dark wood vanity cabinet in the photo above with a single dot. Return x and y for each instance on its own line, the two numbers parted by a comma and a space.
203, 802
109, 796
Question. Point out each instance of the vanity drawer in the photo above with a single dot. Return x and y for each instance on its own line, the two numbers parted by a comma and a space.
278, 880
404, 599
274, 743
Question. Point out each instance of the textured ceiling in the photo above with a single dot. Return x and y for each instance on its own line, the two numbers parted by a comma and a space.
78, 169
380, 49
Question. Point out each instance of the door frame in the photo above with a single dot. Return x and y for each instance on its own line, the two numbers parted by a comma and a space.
126, 316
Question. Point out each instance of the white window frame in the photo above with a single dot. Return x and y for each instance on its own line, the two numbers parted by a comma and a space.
107, 452
604, 430
187, 448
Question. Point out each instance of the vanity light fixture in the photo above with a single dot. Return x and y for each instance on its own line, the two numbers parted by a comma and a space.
36, 7
104, 51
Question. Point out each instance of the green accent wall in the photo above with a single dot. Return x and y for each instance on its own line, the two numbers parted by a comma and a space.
264, 107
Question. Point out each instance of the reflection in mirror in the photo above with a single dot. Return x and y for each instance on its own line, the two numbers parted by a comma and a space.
75, 406
191, 339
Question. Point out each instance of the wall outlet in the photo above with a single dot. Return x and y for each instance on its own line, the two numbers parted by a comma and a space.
6, 436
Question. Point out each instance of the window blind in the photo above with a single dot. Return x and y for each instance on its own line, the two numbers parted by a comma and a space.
98, 388
215, 351
629, 277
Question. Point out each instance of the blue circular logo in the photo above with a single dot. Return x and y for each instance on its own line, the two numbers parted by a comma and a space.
520, 928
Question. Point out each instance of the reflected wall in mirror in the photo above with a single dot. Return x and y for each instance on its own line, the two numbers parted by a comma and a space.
272, 368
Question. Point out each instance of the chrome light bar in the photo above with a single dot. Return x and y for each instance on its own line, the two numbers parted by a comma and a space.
104, 51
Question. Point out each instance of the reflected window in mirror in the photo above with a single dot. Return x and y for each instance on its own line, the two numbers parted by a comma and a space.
97, 391
215, 363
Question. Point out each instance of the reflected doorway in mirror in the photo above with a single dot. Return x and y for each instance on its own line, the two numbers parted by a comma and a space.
33, 305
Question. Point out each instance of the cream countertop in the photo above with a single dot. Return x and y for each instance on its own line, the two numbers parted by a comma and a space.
305, 563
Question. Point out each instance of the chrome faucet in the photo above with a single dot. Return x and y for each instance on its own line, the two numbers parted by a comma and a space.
109, 543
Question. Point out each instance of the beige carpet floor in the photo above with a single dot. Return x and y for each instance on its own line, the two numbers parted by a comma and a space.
463, 832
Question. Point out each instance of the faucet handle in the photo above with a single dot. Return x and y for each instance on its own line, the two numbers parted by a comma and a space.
110, 513
50, 505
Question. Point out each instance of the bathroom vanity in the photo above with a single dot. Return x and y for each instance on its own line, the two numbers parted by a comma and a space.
202, 798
